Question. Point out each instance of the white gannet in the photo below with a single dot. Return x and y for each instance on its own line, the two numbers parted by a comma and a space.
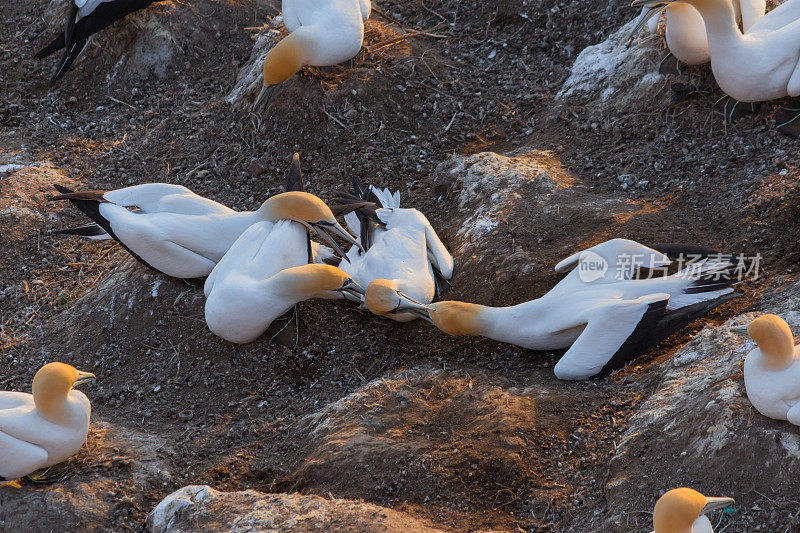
772, 371
761, 64
184, 235
403, 251
252, 285
684, 510
604, 322
44, 428
84, 19
323, 33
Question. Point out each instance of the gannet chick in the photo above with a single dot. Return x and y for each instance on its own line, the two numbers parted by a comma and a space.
772, 371
44, 428
244, 296
684, 510
323, 33
184, 235
605, 323
85, 18
403, 250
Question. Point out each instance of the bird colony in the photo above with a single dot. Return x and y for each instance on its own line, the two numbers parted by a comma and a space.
388, 259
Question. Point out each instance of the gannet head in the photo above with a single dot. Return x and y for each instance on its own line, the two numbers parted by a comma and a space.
457, 318
284, 61
52, 384
774, 339
383, 298
677, 510
310, 211
318, 281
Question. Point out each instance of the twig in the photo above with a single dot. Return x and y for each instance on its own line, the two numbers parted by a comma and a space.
336, 120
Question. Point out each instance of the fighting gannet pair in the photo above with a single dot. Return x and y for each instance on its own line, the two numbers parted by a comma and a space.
760, 64
84, 19
598, 311
323, 33
772, 371
684, 510
184, 235
44, 428
400, 250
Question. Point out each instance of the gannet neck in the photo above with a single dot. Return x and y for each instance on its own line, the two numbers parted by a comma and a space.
774, 339
720, 18
51, 391
460, 318
287, 57
309, 281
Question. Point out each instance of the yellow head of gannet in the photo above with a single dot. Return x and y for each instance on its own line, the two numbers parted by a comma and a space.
383, 298
774, 339
678, 510
308, 210
284, 61
318, 281
51, 386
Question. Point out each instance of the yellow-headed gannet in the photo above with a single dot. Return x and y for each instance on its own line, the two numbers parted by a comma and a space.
403, 251
184, 235
605, 318
772, 371
84, 19
684, 510
44, 428
323, 33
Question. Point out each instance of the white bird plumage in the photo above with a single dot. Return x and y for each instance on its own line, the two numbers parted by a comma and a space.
402, 252
44, 428
772, 370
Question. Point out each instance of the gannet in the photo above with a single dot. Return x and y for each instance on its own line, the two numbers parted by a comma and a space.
85, 18
44, 428
323, 33
403, 251
251, 286
761, 64
604, 322
772, 371
684, 510
184, 235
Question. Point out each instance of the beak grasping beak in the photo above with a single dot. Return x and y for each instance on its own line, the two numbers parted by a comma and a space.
649, 12
410, 305
712, 504
83, 377
324, 229
352, 291
264, 97
741, 330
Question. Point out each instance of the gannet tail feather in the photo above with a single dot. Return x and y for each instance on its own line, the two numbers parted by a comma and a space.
90, 231
441, 283
54, 46
294, 180
387, 198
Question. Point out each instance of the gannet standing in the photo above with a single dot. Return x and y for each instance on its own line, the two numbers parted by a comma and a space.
44, 428
250, 287
772, 371
184, 235
762, 64
604, 322
684, 510
403, 251
323, 33
85, 18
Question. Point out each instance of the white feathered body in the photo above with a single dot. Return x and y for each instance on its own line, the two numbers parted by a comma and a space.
335, 27
774, 393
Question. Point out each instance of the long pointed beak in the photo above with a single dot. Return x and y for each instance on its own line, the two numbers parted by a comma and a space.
264, 97
712, 504
341, 232
328, 239
741, 330
653, 3
352, 291
83, 377
410, 305
647, 13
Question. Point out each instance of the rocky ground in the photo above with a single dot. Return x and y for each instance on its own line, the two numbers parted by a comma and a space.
520, 144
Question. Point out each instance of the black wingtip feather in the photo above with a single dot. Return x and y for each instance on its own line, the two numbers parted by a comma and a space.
294, 180
55, 45
89, 230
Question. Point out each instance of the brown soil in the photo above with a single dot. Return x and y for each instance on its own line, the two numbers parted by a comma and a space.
401, 109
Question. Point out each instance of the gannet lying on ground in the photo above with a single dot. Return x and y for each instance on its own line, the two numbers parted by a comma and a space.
323, 33
258, 280
772, 371
403, 252
184, 235
759, 65
605, 322
684, 511
85, 18
44, 428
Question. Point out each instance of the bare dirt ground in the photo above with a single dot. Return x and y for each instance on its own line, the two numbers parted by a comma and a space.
485, 80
